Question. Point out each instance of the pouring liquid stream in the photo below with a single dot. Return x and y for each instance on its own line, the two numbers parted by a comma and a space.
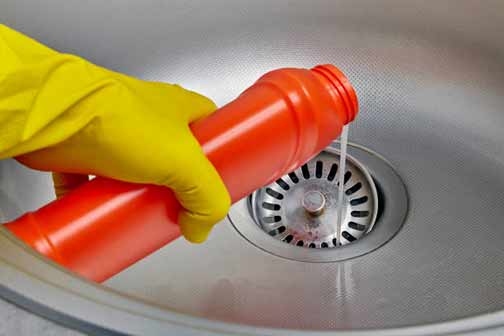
341, 183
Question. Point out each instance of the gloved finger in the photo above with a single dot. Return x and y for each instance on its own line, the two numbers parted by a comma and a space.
206, 202
201, 193
65, 182
205, 108
194, 105
199, 189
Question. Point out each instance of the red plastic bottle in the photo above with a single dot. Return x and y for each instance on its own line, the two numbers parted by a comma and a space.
277, 124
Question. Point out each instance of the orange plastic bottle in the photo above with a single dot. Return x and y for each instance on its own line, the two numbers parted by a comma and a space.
277, 124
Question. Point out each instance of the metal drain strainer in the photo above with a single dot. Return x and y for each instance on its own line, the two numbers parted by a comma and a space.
301, 208
295, 217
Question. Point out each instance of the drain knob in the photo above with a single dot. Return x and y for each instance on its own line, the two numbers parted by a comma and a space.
314, 202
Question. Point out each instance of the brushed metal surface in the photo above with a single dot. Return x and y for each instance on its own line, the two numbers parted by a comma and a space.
430, 80
16, 322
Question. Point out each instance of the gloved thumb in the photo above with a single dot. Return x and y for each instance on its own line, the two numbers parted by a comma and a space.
206, 202
201, 192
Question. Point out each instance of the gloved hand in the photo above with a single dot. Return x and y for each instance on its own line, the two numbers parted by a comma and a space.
60, 113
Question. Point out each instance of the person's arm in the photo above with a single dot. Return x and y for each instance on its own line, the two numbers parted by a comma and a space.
61, 113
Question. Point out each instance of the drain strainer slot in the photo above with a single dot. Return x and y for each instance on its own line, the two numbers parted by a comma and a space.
301, 208
292, 217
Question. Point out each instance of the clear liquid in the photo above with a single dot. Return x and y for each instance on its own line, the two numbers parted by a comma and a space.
341, 182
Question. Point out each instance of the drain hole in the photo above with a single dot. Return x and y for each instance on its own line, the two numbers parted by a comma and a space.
283, 184
332, 172
294, 177
272, 219
348, 174
357, 226
271, 206
356, 187
305, 171
359, 213
280, 209
357, 201
274, 193
318, 169
348, 236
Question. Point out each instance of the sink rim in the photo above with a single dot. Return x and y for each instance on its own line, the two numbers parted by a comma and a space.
64, 296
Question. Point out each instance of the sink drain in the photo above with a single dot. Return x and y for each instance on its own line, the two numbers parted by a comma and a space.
301, 208
295, 217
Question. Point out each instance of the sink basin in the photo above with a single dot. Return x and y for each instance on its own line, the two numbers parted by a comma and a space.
430, 82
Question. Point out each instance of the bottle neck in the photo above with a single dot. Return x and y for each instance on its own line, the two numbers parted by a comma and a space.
339, 88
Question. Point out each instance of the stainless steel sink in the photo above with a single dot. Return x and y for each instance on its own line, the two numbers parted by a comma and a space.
430, 81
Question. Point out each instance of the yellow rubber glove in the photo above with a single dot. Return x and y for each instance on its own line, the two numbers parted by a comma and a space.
59, 112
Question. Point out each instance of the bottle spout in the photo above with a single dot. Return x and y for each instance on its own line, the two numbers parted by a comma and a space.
340, 88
